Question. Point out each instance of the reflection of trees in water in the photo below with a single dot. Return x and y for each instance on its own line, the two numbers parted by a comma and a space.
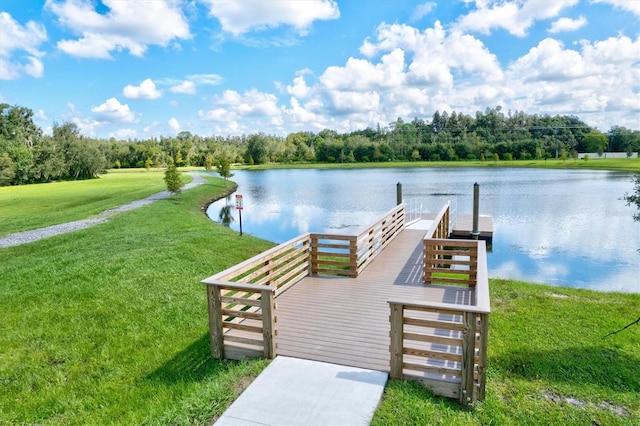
225, 217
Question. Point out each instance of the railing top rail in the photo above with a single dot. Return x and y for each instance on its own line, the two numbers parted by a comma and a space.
341, 237
434, 225
272, 251
439, 305
384, 216
482, 279
239, 286
452, 242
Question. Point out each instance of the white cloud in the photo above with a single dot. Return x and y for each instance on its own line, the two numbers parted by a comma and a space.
422, 10
251, 103
567, 24
209, 79
119, 28
124, 134
16, 39
353, 102
40, 115
113, 111
549, 61
174, 124
410, 73
516, 17
240, 17
145, 90
217, 114
186, 87
259, 110
299, 88
632, 6
595, 82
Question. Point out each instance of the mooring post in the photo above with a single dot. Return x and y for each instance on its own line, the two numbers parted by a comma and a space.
399, 193
475, 233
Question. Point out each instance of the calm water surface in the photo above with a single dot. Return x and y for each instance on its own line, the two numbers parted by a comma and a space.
566, 228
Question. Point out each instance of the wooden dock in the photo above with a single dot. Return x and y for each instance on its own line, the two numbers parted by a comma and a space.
464, 226
346, 321
396, 298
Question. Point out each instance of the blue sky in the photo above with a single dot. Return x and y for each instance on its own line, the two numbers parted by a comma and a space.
134, 69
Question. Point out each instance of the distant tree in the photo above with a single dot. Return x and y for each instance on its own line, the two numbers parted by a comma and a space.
596, 141
172, 178
257, 149
7, 169
223, 160
82, 158
208, 161
633, 199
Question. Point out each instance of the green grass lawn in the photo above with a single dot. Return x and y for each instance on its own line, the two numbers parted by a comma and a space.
28, 207
108, 325
617, 164
547, 364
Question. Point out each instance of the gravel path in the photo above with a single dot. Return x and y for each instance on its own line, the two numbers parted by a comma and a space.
49, 231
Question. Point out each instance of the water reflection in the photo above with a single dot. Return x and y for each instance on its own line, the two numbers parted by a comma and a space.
558, 227
225, 217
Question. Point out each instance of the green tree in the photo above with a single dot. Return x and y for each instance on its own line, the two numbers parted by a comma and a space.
633, 199
596, 141
7, 169
208, 161
223, 160
82, 157
257, 149
48, 160
172, 178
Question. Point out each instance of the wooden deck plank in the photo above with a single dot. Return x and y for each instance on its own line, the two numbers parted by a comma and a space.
346, 320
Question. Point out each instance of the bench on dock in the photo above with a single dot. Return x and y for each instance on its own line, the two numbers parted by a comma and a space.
393, 298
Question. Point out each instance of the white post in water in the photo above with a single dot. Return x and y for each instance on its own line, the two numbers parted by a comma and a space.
475, 233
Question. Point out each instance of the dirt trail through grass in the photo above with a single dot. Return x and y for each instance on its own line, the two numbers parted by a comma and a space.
25, 237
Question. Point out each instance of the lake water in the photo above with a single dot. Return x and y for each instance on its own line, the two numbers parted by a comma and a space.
565, 228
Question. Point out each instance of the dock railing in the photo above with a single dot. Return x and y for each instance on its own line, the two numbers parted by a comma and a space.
241, 299
378, 235
444, 345
242, 311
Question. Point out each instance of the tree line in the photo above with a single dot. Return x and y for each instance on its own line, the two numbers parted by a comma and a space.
29, 156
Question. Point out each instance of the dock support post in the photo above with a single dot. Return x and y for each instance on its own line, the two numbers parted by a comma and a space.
475, 233
398, 193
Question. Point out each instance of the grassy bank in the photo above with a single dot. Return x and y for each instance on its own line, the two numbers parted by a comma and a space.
615, 164
548, 364
28, 207
109, 324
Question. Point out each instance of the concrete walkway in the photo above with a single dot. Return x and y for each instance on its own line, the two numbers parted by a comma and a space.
33, 235
292, 391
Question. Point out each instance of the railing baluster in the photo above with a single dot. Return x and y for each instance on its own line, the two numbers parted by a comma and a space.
396, 348
467, 394
215, 321
268, 324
